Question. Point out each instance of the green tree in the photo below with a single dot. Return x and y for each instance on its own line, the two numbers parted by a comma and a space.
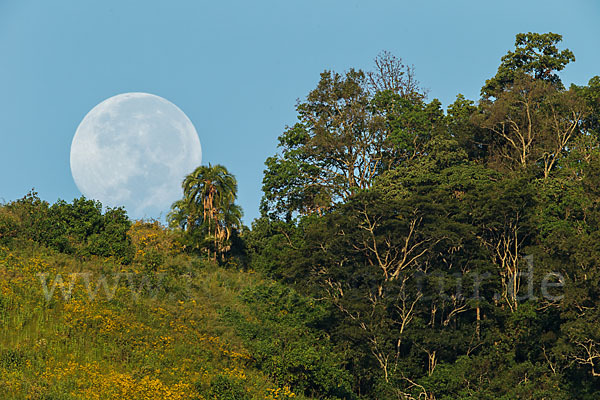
351, 128
591, 95
462, 127
536, 55
284, 341
532, 123
207, 211
333, 151
79, 227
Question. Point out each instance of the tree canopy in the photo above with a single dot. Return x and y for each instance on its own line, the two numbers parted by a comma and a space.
456, 249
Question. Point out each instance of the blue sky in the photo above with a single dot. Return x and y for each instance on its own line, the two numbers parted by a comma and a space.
236, 68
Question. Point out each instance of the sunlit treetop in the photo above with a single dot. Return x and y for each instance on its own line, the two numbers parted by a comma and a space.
535, 54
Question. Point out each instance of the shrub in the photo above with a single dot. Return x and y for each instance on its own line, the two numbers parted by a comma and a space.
224, 387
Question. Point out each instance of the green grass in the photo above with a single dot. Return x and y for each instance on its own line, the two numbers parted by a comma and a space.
167, 343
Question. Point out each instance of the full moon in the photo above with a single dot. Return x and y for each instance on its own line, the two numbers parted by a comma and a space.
133, 150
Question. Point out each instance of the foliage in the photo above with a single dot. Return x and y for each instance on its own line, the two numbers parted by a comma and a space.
78, 228
536, 55
465, 264
208, 212
351, 128
532, 124
224, 387
284, 342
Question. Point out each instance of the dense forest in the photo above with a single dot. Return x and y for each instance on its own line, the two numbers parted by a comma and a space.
403, 251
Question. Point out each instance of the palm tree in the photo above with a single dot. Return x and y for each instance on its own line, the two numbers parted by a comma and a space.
209, 193
230, 218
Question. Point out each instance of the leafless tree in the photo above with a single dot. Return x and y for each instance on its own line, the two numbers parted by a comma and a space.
390, 73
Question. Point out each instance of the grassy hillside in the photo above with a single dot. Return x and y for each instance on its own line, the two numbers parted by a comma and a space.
166, 325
